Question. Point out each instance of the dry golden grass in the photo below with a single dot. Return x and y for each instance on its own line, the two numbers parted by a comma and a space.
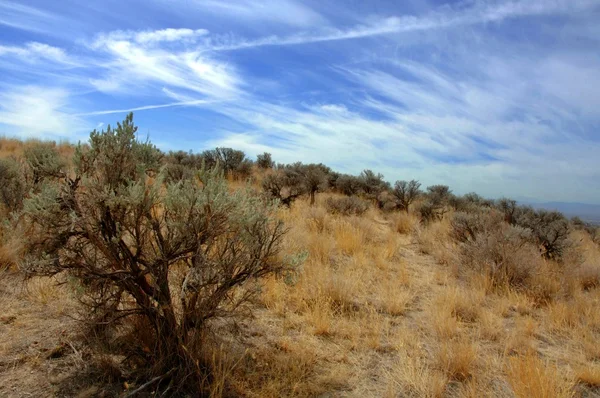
412, 376
589, 375
457, 358
531, 377
379, 309
15, 147
403, 223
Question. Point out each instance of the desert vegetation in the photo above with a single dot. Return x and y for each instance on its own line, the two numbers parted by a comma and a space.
128, 271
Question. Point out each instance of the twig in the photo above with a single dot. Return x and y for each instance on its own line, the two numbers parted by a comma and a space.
149, 383
77, 353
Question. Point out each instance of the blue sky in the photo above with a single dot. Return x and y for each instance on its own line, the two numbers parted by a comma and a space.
498, 97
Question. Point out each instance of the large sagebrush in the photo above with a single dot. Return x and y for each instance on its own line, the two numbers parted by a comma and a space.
121, 230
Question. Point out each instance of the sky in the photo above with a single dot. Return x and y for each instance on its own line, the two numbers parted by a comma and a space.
497, 97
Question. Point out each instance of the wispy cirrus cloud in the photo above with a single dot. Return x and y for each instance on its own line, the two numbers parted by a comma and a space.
21, 16
479, 13
136, 59
150, 36
288, 12
33, 111
148, 107
34, 51
479, 95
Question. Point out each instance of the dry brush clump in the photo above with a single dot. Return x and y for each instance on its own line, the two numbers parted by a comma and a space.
13, 186
505, 253
173, 255
346, 206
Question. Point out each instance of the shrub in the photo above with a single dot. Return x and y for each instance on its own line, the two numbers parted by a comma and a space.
435, 207
230, 161
372, 184
264, 161
503, 252
439, 195
508, 207
174, 172
406, 192
549, 228
182, 165
244, 170
293, 180
346, 206
466, 227
12, 184
313, 177
348, 185
122, 234
44, 162
387, 202
284, 185
428, 212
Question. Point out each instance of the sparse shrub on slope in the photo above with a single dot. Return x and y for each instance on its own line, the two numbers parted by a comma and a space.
13, 186
348, 185
387, 202
313, 177
346, 206
502, 251
505, 254
231, 161
265, 161
508, 207
372, 184
549, 228
284, 185
436, 203
466, 227
173, 254
44, 162
406, 192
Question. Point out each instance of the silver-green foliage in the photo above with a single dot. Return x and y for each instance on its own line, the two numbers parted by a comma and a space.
121, 229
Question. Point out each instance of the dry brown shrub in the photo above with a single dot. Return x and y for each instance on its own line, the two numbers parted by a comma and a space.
504, 254
346, 206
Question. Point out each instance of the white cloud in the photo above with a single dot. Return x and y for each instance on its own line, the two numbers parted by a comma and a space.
482, 12
132, 64
24, 17
150, 36
148, 107
34, 51
34, 111
288, 12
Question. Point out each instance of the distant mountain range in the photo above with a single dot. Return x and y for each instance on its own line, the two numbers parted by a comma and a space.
587, 212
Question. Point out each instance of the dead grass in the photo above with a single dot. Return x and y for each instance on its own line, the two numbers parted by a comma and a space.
377, 309
531, 377
589, 375
403, 223
457, 359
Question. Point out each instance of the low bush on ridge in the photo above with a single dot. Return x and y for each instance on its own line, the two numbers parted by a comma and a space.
346, 206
